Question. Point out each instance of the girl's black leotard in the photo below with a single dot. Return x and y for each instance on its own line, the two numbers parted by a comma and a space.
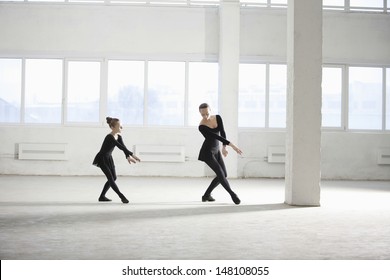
104, 156
210, 145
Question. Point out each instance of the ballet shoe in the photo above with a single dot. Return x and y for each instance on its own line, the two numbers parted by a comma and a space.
124, 200
103, 198
235, 199
206, 198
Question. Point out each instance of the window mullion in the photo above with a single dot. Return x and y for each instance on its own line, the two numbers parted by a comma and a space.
23, 93
384, 99
186, 94
146, 90
103, 91
347, 5
345, 98
267, 82
65, 91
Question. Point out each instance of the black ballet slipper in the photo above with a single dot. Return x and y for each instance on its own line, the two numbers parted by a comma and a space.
103, 199
124, 200
235, 199
206, 198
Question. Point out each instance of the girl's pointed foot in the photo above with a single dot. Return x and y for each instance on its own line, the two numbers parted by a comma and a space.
206, 198
236, 200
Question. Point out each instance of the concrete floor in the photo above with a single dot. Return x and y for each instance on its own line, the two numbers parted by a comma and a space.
59, 218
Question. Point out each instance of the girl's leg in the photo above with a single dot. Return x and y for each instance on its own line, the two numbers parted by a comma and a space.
111, 177
104, 191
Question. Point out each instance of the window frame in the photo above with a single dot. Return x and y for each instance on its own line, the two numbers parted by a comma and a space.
344, 99
21, 93
65, 100
104, 92
23, 102
347, 95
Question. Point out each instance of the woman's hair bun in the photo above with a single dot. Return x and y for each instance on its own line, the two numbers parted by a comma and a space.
203, 106
109, 119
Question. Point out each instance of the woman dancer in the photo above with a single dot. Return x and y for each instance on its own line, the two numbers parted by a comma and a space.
105, 161
211, 127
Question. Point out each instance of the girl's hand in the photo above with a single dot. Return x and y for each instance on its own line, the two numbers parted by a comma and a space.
136, 158
133, 159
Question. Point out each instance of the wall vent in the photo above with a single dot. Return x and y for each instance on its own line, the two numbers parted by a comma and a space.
276, 154
383, 156
157, 153
43, 151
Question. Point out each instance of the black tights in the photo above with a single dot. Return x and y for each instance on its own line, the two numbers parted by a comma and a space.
218, 166
111, 177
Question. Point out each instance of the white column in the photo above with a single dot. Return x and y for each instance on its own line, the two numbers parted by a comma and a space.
229, 54
303, 139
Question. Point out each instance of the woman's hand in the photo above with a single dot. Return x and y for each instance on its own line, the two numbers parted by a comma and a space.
224, 151
238, 151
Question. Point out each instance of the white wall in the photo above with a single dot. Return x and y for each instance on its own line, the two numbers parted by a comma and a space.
89, 30
85, 142
344, 155
34, 30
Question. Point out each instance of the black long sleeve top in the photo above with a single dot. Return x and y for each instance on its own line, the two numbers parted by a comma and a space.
212, 138
104, 156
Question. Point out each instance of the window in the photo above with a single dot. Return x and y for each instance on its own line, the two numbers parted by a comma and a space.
256, 2
331, 96
279, 2
252, 89
83, 91
166, 87
84, 1
388, 98
10, 90
365, 98
277, 95
265, 3
262, 97
366, 4
43, 93
333, 2
202, 88
126, 91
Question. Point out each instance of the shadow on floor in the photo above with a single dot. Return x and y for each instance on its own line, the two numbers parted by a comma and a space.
73, 212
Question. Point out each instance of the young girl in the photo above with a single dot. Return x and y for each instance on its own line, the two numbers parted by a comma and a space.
105, 161
211, 127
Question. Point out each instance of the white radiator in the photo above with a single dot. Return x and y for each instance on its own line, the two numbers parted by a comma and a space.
276, 154
383, 156
43, 151
157, 153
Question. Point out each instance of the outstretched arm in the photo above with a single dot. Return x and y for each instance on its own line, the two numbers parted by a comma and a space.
131, 158
207, 133
223, 134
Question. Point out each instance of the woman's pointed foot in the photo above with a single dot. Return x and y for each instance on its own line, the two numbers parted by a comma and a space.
104, 199
124, 200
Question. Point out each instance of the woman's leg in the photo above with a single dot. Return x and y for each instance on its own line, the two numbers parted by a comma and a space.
214, 183
218, 166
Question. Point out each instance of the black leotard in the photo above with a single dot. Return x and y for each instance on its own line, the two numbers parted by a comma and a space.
104, 156
212, 136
